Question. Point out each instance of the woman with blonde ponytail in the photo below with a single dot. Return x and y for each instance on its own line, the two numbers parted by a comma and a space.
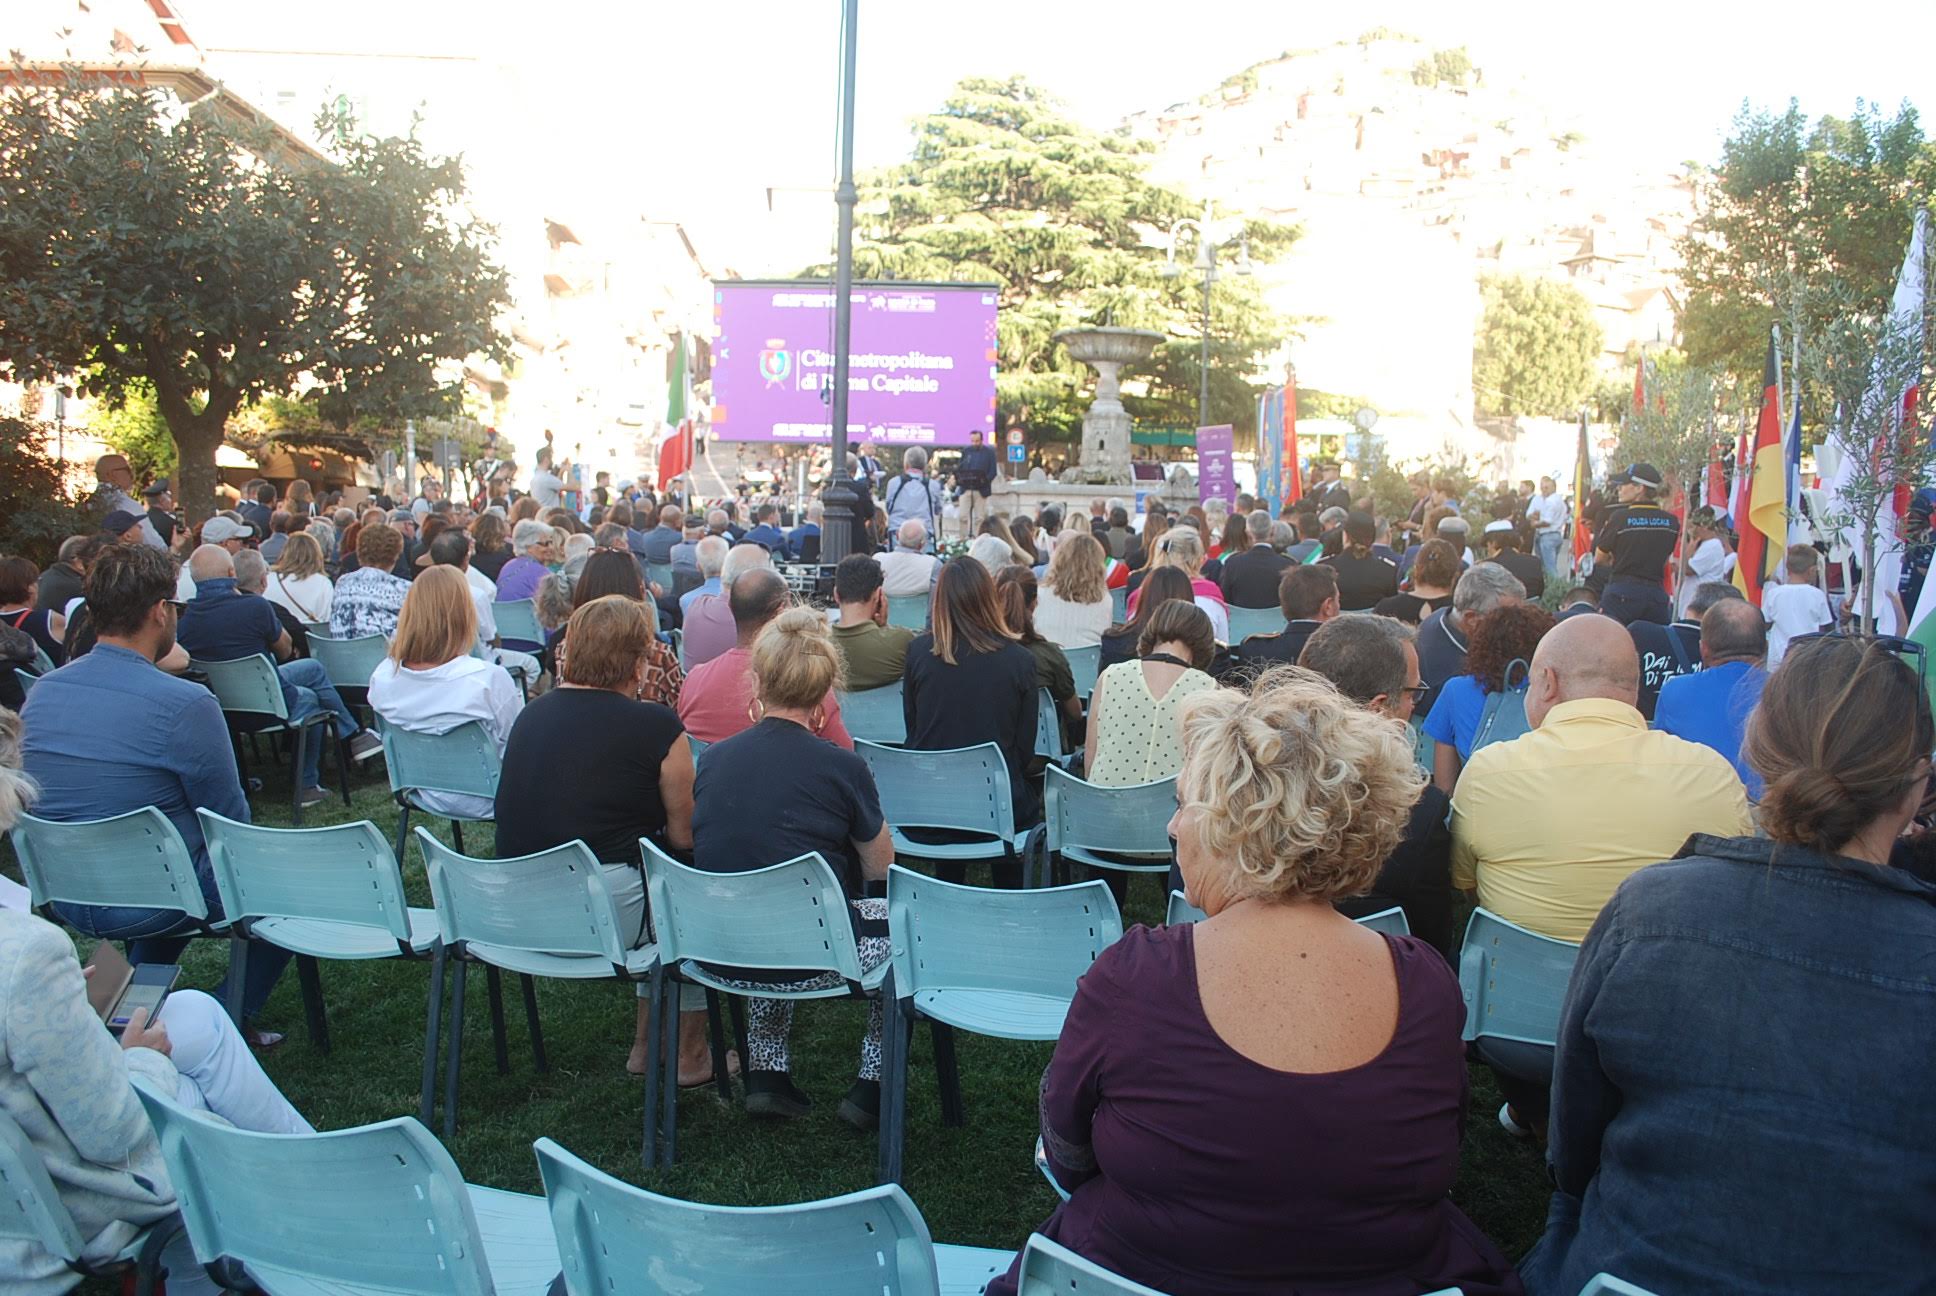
778, 791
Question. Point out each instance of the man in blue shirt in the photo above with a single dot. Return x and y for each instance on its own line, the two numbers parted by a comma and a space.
1711, 706
223, 624
109, 733
656, 547
765, 533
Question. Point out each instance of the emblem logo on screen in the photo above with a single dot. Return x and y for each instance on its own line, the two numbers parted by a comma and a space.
775, 366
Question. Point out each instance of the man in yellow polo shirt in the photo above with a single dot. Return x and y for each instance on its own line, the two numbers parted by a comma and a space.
1548, 825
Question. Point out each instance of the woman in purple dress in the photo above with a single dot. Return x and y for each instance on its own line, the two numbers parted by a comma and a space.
1271, 1100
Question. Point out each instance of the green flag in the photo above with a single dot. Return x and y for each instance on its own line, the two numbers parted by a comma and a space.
676, 393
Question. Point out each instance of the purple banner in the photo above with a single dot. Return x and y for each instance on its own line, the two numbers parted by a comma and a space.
922, 371
1216, 475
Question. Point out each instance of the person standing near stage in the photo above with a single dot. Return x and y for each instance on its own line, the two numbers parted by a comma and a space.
974, 479
1635, 542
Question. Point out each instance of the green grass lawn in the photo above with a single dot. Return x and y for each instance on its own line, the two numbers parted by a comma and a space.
976, 1184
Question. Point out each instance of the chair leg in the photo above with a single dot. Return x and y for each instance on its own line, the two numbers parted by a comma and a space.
494, 987
343, 763
668, 1024
531, 1023
454, 1063
655, 996
738, 1008
312, 993
403, 829
433, 1013
457, 835
238, 976
716, 1027
947, 1072
296, 764
149, 1271
896, 1031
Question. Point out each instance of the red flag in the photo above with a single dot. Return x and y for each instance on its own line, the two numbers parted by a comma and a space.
1582, 484
1752, 554
1640, 387
1909, 399
1717, 488
675, 454
1293, 473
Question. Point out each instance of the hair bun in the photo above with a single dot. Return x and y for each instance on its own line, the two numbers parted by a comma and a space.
1811, 805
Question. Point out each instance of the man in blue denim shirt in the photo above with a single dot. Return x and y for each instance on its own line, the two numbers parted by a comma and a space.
109, 733
223, 624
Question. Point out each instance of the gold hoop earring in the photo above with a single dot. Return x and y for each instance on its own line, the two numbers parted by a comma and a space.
818, 720
755, 711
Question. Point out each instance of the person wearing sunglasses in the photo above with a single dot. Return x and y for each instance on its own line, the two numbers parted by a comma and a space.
1738, 1091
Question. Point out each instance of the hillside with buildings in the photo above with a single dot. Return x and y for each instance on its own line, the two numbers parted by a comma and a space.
1412, 175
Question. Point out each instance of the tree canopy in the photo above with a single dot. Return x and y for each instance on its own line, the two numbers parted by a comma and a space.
140, 241
1798, 224
1536, 348
1002, 188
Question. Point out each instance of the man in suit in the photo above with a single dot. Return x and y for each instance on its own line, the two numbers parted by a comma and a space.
1250, 579
1328, 492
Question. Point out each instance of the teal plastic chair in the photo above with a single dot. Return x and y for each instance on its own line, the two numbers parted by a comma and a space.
1180, 911
613, 1237
1391, 921
789, 917
135, 860
463, 760
698, 748
517, 624
1051, 1269
1123, 828
542, 915
316, 629
350, 662
909, 610
321, 893
1085, 664
1605, 1284
1119, 605
1513, 981
875, 714
965, 788
378, 1210
27, 680
1245, 622
1049, 739
250, 693
31, 1211
659, 574
990, 962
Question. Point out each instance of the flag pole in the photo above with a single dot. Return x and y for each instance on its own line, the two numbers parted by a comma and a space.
837, 522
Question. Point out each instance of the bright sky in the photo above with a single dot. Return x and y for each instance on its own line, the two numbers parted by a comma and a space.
690, 110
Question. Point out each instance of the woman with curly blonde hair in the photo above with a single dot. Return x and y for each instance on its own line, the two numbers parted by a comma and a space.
1270, 1100
1073, 608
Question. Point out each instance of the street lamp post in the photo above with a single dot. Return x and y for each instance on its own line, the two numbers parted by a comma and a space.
837, 522
1211, 235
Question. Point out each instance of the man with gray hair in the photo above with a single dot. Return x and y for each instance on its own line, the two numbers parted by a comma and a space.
224, 623
1442, 636
910, 569
913, 497
709, 627
1250, 579
1711, 706
709, 557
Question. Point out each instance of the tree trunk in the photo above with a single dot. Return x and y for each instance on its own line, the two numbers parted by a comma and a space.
197, 438
1868, 577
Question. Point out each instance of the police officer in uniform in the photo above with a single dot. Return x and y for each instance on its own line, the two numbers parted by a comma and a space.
1364, 577
1634, 543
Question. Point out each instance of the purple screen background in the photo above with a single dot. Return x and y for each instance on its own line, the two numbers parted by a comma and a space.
773, 352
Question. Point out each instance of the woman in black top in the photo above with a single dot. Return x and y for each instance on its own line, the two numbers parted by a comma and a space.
1434, 572
811, 797
589, 761
1165, 583
970, 681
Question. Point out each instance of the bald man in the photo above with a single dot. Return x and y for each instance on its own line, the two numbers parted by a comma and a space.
1711, 706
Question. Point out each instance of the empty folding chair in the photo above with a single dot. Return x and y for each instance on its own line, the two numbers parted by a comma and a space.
464, 760
868, 1243
965, 789
1084, 664
31, 1211
1123, 828
787, 917
350, 663
1051, 1269
1245, 622
321, 893
250, 692
998, 963
909, 610
135, 860
542, 915
379, 1210
875, 714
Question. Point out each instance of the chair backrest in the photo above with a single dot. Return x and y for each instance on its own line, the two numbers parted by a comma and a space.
1051, 1269
660, 574
27, 680
1119, 604
1245, 622
544, 902
910, 610
316, 629
349, 663
137, 860
1131, 820
1392, 922
1180, 911
1084, 664
462, 760
1513, 980
343, 873
698, 746
379, 1208
613, 1237
30, 1206
875, 714
1048, 727
517, 620
1605, 1284
965, 788
791, 916
246, 686
949, 937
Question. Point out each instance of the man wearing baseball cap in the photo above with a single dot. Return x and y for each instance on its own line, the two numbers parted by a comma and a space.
1634, 543
123, 527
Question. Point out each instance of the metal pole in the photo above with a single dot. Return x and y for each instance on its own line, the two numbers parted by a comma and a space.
1203, 346
409, 460
837, 524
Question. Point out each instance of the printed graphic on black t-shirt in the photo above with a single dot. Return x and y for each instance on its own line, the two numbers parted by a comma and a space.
1641, 538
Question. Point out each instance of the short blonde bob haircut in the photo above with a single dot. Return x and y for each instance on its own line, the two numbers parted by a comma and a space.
438, 622
1298, 793
795, 661
607, 639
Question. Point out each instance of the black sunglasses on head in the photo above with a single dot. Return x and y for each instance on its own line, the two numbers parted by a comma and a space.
1904, 649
